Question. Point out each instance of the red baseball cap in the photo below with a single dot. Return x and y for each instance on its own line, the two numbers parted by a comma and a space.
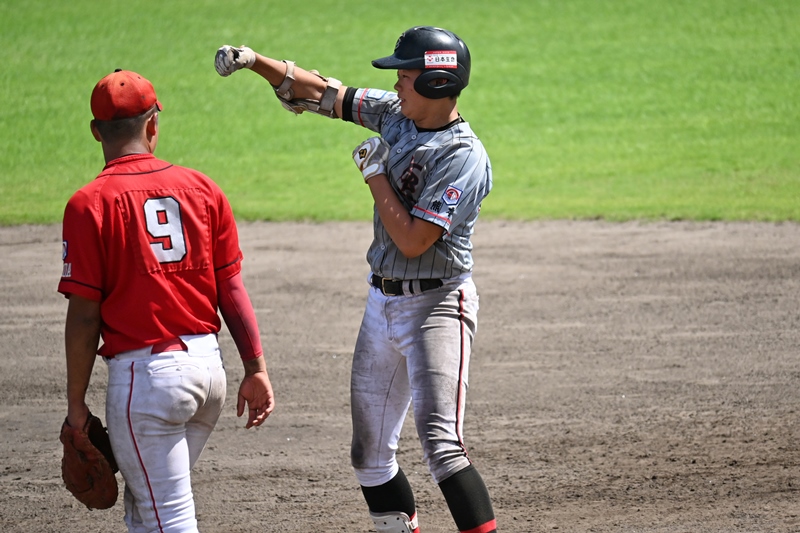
122, 94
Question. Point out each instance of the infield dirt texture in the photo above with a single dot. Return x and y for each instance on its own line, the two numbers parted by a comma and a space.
626, 378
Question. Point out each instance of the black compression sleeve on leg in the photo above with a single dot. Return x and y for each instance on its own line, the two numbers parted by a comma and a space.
468, 500
396, 495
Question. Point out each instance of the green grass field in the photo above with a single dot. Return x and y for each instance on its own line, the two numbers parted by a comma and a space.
621, 109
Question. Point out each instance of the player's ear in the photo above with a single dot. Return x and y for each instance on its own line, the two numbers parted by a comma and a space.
151, 132
95, 132
152, 124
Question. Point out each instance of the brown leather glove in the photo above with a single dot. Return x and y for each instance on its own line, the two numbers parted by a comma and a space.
88, 466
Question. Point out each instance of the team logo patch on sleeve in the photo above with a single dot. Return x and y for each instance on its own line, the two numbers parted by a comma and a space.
66, 269
441, 59
451, 195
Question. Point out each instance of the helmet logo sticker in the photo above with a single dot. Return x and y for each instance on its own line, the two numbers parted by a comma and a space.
441, 59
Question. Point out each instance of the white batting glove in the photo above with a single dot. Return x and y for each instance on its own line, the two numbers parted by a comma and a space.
230, 59
371, 157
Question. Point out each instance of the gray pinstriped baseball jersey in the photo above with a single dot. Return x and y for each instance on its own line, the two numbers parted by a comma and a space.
441, 176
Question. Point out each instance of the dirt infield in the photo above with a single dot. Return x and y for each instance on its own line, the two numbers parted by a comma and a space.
626, 378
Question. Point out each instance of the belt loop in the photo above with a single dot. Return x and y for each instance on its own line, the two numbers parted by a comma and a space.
414, 286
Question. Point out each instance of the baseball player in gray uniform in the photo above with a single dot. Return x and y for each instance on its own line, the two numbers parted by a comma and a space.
428, 173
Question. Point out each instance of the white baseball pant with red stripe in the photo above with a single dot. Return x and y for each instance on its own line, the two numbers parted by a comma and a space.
160, 410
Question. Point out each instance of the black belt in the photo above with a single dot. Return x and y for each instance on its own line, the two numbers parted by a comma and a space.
394, 287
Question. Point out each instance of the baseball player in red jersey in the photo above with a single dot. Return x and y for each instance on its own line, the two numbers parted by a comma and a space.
150, 254
427, 173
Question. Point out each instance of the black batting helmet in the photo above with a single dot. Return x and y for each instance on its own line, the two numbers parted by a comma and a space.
441, 54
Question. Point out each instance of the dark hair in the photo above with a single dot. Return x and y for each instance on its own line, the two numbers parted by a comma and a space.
122, 129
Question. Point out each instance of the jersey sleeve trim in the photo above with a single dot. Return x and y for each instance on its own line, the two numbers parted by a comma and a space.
438, 219
71, 286
360, 102
229, 270
223, 267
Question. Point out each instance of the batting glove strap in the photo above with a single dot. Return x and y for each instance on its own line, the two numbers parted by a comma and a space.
229, 59
371, 157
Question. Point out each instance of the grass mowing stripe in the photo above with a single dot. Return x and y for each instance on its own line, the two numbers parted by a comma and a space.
625, 109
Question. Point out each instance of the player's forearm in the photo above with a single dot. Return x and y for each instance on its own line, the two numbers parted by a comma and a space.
305, 86
240, 317
81, 337
412, 236
253, 366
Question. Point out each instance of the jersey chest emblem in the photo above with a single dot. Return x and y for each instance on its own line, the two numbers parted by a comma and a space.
409, 181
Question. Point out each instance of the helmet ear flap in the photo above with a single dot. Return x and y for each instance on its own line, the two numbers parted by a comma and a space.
425, 84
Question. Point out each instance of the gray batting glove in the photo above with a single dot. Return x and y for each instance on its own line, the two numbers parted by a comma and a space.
371, 157
230, 59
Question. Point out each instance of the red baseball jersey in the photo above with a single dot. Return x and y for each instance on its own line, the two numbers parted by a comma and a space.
149, 240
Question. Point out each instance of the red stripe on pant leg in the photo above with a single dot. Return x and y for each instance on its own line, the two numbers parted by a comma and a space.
139, 455
488, 527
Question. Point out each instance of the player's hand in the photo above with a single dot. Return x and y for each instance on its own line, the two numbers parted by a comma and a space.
371, 157
255, 393
230, 59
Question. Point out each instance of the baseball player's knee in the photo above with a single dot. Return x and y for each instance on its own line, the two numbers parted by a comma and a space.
357, 453
374, 464
376, 475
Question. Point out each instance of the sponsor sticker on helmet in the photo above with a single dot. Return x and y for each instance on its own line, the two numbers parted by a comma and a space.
451, 195
441, 59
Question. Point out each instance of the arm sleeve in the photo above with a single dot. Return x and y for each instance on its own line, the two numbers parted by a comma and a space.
239, 316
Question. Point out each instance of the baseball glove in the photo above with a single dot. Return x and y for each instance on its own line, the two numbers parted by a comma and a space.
88, 466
